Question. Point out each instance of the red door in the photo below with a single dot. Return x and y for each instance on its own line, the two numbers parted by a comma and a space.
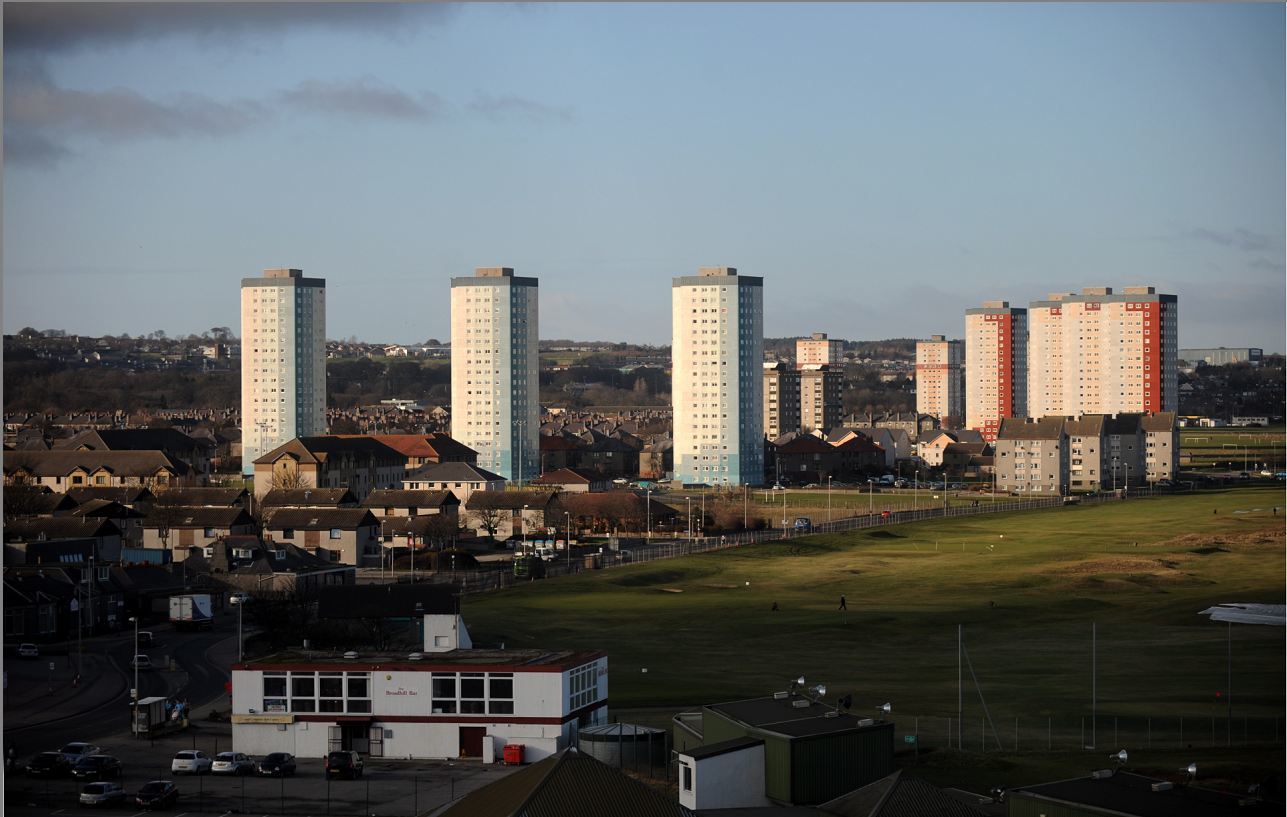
471, 740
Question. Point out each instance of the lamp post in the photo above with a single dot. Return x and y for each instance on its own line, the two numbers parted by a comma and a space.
648, 513
828, 498
871, 493
688, 500
567, 543
522, 520
134, 725
240, 643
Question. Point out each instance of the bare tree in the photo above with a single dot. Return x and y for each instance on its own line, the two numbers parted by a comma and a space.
489, 519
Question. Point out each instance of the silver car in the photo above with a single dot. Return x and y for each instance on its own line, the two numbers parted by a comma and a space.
102, 794
233, 763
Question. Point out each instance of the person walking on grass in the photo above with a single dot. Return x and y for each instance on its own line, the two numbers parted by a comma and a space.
843, 606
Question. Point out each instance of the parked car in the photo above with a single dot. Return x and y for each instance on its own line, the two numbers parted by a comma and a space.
344, 764
96, 767
803, 524
232, 763
238, 598
141, 662
76, 750
191, 761
102, 794
277, 764
49, 764
28, 651
145, 638
157, 794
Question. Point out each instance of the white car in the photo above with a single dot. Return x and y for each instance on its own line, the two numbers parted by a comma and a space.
191, 761
233, 763
28, 651
141, 662
76, 750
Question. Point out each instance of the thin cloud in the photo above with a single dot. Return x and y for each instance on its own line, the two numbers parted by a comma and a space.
1267, 264
43, 120
1241, 239
501, 107
56, 27
364, 97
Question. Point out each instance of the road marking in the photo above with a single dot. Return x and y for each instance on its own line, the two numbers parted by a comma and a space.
60, 811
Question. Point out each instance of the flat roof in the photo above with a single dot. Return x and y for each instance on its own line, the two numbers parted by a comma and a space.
780, 716
530, 660
1132, 794
722, 748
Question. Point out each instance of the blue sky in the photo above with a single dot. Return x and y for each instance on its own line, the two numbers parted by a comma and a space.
883, 167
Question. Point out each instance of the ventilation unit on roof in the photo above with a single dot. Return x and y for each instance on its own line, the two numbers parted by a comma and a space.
866, 722
1162, 785
781, 696
1101, 774
350, 655
415, 656
801, 704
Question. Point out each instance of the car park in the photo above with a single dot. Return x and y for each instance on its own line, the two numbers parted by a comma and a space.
28, 651
77, 749
344, 764
232, 763
157, 794
191, 761
49, 764
277, 764
102, 794
96, 767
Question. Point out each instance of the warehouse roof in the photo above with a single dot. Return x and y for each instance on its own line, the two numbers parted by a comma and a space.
1132, 794
784, 718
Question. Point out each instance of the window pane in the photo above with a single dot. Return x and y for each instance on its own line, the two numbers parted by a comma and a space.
359, 686
332, 705
502, 687
444, 687
471, 687
332, 687
301, 687
274, 687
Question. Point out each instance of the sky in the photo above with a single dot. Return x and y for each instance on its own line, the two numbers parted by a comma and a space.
882, 167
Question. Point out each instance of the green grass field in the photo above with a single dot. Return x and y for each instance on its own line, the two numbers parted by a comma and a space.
1234, 448
1026, 587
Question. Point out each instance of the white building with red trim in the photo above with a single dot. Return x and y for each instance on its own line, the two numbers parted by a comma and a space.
452, 703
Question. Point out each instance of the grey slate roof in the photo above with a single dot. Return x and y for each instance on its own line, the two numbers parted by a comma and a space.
392, 498
319, 518
1126, 793
1044, 428
192, 497
899, 796
452, 472
309, 498
199, 517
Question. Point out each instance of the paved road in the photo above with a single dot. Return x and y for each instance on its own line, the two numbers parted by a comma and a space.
44, 709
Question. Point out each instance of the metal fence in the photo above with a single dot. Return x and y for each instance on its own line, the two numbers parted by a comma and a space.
1104, 732
481, 581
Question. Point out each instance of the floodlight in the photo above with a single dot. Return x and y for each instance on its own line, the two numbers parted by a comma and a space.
1192, 770
1120, 757
820, 690
885, 707
799, 681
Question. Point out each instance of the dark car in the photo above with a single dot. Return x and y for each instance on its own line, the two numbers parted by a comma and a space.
48, 764
97, 767
344, 764
157, 794
277, 764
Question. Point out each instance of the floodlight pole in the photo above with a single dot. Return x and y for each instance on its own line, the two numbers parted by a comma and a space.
828, 499
960, 706
1094, 655
648, 517
1229, 682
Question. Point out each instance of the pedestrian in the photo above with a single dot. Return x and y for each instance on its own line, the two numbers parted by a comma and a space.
1215, 511
843, 606
775, 607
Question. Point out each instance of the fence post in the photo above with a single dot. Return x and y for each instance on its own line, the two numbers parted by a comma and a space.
1181, 731
1016, 735
1213, 743
1049, 726
1115, 741
1083, 732
1150, 732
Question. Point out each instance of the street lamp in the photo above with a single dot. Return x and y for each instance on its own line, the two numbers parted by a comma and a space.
522, 520
567, 543
689, 504
648, 513
828, 498
134, 727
